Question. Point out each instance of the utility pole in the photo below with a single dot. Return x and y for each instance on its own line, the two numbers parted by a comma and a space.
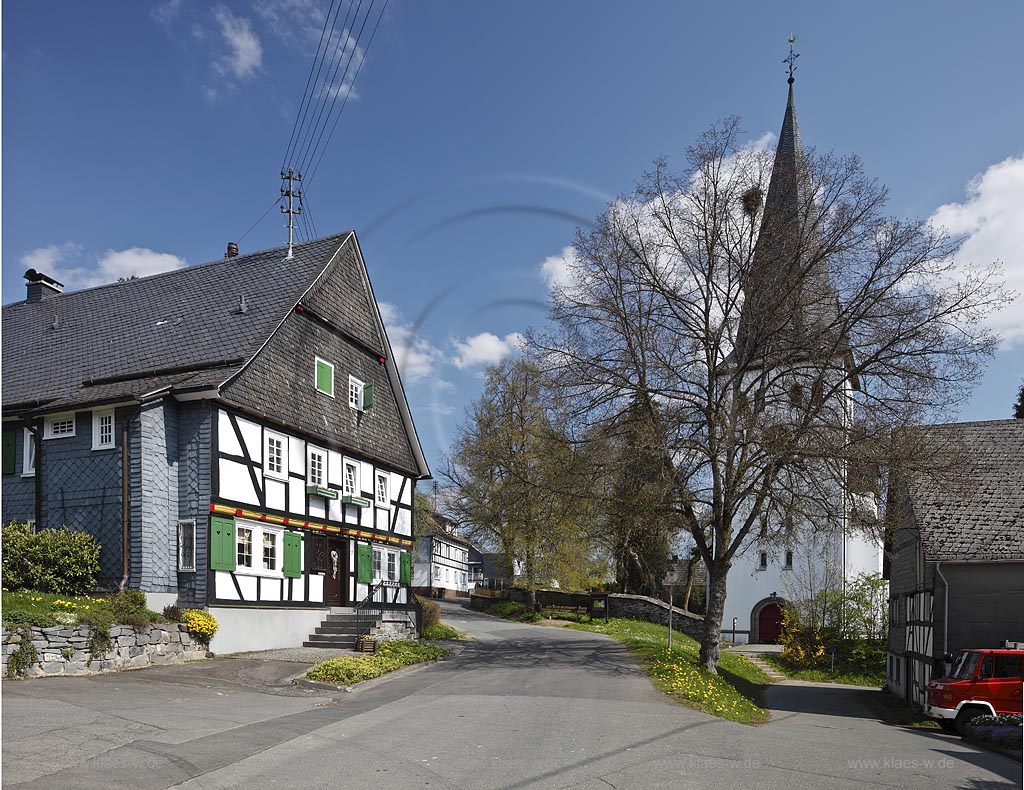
292, 211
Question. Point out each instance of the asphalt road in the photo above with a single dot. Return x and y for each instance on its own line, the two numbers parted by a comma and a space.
519, 707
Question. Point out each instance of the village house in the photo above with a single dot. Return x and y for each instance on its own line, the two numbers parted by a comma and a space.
441, 563
235, 434
955, 555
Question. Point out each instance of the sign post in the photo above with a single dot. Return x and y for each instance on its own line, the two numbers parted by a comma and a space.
671, 587
676, 575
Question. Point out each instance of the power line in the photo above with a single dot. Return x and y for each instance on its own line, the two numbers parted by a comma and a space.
343, 42
355, 77
309, 77
257, 222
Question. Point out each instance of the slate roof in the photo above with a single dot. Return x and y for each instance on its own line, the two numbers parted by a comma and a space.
983, 519
178, 331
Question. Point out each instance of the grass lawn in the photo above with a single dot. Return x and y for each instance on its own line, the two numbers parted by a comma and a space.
44, 609
346, 670
840, 674
732, 694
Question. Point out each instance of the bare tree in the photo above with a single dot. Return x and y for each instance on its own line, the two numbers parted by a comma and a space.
782, 340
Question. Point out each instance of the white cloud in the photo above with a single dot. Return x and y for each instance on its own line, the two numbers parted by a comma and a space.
415, 356
557, 269
991, 222
245, 52
62, 262
485, 349
166, 11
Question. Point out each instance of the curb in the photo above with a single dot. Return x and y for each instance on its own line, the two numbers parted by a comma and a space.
299, 680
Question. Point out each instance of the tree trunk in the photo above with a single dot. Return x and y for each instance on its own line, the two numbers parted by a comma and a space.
691, 570
715, 608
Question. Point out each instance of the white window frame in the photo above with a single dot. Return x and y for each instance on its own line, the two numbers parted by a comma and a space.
282, 474
97, 422
186, 561
259, 529
28, 446
316, 451
51, 419
355, 393
354, 489
385, 478
391, 564
316, 365
437, 572
762, 560
378, 564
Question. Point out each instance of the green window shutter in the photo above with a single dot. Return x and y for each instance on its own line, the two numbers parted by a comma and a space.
292, 554
324, 377
364, 564
368, 396
405, 568
9, 439
222, 544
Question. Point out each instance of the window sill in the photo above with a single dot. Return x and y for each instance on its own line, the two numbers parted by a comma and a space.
104, 447
28, 474
281, 476
242, 571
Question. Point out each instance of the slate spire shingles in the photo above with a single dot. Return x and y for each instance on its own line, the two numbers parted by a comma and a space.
789, 304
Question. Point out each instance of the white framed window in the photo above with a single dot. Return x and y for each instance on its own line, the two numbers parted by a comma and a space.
437, 571
392, 567
381, 490
323, 376
762, 560
789, 560
355, 393
243, 538
28, 455
260, 549
316, 467
103, 429
275, 455
187, 546
377, 564
350, 482
59, 426
271, 553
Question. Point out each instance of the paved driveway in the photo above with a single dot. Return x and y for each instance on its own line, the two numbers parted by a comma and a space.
519, 707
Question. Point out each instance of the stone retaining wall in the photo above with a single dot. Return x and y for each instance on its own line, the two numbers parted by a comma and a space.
64, 649
640, 607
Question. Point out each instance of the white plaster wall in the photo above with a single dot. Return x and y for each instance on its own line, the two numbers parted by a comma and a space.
262, 629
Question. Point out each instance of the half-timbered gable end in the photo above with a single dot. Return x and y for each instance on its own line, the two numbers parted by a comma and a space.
235, 434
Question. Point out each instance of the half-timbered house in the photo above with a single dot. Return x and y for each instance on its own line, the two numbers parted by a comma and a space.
235, 434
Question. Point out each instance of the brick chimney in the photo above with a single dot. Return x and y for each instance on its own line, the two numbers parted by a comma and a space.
232, 250
42, 286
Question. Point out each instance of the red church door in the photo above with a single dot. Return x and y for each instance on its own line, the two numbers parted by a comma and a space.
769, 624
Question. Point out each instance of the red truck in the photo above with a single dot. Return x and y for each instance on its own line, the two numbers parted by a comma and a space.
979, 682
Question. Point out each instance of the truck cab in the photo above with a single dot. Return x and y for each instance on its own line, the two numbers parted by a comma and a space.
979, 682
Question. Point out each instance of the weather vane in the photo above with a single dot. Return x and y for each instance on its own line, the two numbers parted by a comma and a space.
791, 60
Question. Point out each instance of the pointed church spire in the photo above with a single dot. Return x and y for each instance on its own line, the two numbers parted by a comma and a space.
788, 300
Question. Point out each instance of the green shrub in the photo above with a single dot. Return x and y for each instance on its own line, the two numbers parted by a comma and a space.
431, 612
129, 608
51, 560
100, 618
19, 617
23, 657
512, 610
441, 631
201, 625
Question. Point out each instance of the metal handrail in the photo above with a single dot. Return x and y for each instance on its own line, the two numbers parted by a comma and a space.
369, 610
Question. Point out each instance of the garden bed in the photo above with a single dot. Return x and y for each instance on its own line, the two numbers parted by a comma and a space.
349, 670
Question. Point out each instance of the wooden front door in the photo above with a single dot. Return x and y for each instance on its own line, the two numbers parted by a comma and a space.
769, 624
337, 573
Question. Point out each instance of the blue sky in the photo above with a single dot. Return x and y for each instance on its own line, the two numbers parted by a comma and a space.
143, 136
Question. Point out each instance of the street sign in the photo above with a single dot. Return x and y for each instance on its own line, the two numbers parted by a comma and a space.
677, 572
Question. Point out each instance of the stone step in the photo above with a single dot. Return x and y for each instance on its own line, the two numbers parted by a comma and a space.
324, 640
337, 629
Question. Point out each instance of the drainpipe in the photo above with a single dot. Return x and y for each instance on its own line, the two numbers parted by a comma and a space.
945, 610
36, 433
125, 511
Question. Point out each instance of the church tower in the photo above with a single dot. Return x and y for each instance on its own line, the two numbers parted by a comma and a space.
789, 329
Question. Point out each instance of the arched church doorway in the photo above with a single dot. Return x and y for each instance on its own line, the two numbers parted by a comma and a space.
769, 624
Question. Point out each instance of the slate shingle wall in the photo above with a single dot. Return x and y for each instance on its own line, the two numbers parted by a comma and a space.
154, 500
194, 448
279, 384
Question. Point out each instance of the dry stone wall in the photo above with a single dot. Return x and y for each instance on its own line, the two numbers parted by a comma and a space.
64, 649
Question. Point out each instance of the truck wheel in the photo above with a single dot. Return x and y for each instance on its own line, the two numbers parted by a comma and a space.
964, 716
948, 725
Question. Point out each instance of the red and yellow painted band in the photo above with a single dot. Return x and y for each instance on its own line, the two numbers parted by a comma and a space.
226, 510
